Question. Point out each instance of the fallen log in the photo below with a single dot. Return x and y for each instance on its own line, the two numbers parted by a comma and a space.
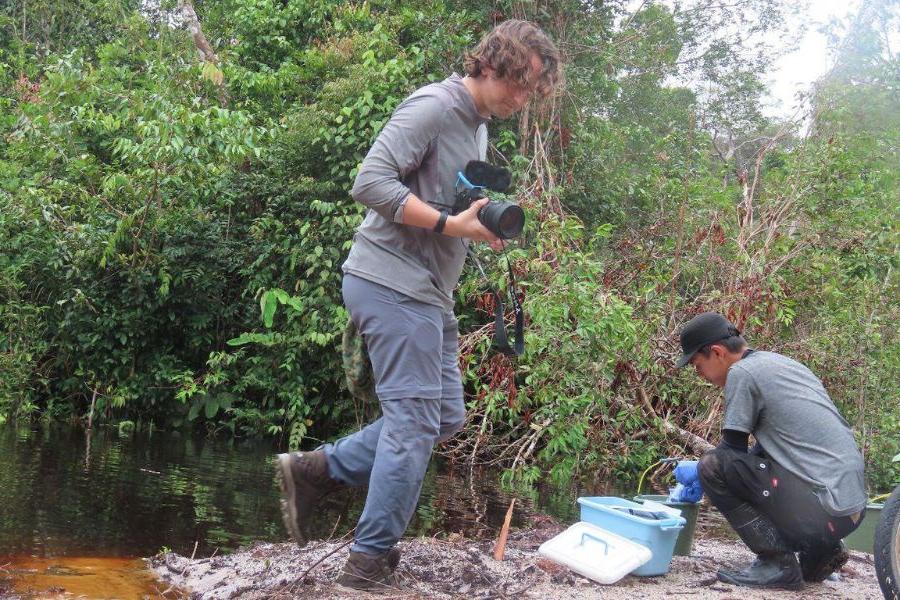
695, 442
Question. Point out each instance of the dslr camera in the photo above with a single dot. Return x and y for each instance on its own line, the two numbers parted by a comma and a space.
504, 219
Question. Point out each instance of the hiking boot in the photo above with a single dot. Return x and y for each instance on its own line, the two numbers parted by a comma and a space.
773, 571
371, 572
817, 564
304, 481
775, 565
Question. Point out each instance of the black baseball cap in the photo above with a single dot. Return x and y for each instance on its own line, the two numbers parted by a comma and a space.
705, 328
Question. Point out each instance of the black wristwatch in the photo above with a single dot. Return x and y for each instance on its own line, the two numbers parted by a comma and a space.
442, 220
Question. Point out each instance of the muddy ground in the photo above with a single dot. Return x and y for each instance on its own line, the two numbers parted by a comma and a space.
460, 568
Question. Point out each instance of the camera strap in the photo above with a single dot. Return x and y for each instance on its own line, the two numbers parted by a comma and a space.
501, 339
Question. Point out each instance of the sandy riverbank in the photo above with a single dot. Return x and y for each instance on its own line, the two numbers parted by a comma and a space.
461, 568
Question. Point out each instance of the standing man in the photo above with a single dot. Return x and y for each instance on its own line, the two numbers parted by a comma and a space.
405, 261
801, 486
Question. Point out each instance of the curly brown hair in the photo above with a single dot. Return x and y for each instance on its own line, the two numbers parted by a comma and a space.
507, 49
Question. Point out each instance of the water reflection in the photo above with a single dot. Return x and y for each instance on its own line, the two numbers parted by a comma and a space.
67, 493
72, 577
77, 508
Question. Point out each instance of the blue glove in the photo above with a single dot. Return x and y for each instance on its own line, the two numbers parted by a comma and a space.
686, 472
692, 493
688, 488
686, 493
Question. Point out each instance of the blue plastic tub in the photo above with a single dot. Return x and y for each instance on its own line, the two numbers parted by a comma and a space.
659, 535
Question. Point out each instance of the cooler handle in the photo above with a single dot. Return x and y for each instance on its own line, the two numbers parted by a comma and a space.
585, 534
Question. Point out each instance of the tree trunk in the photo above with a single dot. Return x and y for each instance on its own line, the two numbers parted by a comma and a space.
193, 23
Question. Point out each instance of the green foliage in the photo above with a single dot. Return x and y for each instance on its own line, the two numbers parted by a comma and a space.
45, 26
369, 94
172, 243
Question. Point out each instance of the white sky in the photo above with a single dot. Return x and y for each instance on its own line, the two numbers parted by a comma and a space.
795, 72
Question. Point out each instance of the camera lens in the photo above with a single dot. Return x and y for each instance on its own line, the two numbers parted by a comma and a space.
504, 219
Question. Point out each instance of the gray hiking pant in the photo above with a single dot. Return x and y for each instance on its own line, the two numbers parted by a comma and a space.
413, 349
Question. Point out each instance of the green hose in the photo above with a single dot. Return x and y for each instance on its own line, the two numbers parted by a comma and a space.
660, 461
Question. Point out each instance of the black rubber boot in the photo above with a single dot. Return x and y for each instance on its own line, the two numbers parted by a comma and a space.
817, 564
371, 572
775, 565
304, 481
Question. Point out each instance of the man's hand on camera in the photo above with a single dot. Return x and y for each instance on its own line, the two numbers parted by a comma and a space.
467, 225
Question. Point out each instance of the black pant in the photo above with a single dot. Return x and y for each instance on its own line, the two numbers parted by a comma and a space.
732, 478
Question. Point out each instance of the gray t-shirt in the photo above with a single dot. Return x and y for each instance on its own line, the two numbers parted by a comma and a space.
430, 137
788, 411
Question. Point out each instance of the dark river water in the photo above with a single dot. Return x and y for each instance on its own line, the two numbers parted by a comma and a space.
66, 493
78, 510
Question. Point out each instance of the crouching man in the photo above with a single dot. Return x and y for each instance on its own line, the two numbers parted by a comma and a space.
800, 488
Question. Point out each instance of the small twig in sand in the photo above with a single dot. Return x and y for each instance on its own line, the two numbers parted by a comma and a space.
521, 590
193, 554
328, 541
318, 562
333, 529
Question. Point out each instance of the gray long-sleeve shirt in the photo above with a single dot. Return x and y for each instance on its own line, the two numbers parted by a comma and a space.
428, 140
786, 408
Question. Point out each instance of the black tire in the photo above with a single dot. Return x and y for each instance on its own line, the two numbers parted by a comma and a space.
887, 547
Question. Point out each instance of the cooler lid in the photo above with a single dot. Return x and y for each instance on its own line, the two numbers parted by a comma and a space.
596, 553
